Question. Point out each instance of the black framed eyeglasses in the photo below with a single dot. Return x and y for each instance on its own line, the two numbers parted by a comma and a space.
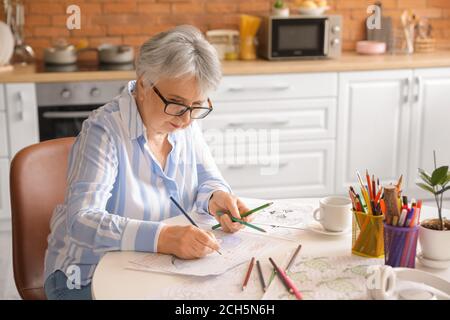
178, 109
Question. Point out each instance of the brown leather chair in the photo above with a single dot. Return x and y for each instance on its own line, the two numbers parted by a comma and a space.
38, 184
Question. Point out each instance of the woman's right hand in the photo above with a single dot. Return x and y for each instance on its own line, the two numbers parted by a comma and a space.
186, 242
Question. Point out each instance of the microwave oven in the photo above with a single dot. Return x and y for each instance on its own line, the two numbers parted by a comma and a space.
300, 37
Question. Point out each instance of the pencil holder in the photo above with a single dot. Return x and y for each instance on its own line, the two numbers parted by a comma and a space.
367, 235
400, 245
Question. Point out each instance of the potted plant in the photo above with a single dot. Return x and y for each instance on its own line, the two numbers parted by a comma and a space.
279, 9
434, 234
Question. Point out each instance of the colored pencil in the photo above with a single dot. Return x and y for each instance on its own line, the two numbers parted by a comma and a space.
247, 224
249, 271
187, 216
291, 261
183, 211
284, 278
261, 275
246, 214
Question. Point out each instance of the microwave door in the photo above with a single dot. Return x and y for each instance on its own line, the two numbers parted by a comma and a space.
293, 38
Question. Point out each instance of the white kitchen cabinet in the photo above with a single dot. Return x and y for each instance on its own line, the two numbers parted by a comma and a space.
299, 169
297, 119
272, 136
22, 115
4, 190
2, 98
276, 86
3, 136
430, 129
373, 126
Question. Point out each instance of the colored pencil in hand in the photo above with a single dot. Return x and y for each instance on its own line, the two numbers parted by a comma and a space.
247, 224
187, 216
246, 214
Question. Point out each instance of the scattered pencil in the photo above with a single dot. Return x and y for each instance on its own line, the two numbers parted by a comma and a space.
261, 275
249, 271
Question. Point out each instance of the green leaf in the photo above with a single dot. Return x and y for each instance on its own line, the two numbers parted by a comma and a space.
439, 175
425, 187
425, 176
443, 190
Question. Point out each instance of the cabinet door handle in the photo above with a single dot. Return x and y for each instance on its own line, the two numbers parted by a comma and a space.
276, 87
243, 124
406, 91
20, 106
66, 114
242, 166
417, 89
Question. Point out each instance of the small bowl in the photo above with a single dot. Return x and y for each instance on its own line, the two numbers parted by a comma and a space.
313, 11
370, 47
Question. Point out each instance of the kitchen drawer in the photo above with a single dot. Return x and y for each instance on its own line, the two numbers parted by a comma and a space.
305, 169
2, 98
299, 119
4, 189
3, 136
276, 86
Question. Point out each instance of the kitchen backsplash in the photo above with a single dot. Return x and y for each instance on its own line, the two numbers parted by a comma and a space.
133, 21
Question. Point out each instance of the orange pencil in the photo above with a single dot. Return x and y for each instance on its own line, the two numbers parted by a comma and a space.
369, 186
249, 271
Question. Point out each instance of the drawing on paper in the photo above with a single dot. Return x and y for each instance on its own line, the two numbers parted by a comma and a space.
335, 278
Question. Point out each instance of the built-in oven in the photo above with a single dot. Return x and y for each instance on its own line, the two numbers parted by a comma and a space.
62, 107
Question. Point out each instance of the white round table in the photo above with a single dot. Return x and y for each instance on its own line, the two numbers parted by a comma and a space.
112, 280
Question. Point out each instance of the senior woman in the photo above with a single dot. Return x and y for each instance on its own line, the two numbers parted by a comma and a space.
131, 155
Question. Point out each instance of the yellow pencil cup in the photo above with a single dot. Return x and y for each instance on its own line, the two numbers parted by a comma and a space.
367, 235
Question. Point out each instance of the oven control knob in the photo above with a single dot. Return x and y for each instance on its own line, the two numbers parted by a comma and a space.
66, 93
336, 29
335, 42
95, 92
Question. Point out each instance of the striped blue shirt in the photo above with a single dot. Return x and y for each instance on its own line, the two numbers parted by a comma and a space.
117, 192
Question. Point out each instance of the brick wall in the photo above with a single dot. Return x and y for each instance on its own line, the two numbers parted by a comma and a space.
133, 21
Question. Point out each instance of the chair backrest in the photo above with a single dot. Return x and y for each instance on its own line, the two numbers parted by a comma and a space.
38, 184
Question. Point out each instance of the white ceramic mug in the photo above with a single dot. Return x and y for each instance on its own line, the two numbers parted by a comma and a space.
334, 213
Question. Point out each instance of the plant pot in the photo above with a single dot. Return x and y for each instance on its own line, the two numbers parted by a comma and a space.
434, 243
280, 12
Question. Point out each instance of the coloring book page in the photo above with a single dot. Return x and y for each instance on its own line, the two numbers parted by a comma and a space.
326, 278
235, 249
284, 219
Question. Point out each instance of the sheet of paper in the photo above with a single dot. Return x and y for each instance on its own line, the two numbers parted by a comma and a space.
326, 278
235, 248
230, 282
285, 219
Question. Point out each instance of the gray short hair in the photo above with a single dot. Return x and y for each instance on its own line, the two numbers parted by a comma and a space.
178, 52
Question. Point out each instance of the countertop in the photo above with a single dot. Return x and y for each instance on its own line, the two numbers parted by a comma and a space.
348, 62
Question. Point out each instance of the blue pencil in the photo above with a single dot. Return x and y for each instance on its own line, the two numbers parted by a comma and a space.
184, 212
187, 216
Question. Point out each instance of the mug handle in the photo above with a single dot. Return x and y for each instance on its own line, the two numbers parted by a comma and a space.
315, 214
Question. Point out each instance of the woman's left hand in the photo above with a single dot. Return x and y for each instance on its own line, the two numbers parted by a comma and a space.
225, 202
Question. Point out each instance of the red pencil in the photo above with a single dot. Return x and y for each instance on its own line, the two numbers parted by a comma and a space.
249, 271
285, 279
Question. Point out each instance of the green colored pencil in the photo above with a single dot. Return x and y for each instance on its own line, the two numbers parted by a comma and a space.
247, 224
246, 214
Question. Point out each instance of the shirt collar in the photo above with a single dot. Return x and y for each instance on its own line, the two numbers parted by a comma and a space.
129, 112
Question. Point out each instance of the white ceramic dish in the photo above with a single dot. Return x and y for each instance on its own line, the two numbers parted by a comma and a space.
435, 264
316, 227
370, 47
313, 11
7, 44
